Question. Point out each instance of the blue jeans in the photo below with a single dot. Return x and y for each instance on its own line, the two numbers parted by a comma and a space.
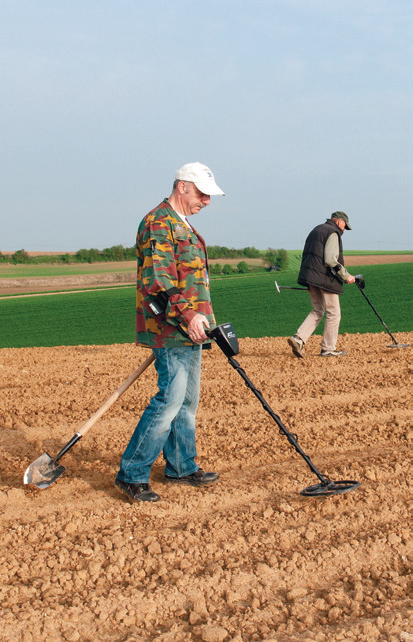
168, 422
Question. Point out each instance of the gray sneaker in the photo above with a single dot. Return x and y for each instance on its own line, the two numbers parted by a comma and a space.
333, 353
297, 345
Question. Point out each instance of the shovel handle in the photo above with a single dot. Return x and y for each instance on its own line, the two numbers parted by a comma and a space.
115, 396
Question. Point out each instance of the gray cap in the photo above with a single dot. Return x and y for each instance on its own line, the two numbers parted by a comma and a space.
343, 217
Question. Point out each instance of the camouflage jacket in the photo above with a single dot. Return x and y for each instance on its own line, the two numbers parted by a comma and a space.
172, 261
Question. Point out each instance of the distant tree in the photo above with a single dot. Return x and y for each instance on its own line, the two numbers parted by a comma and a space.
66, 258
251, 252
130, 253
89, 256
94, 255
282, 259
107, 254
82, 255
270, 257
223, 252
213, 251
20, 256
215, 268
5, 258
242, 267
114, 253
227, 269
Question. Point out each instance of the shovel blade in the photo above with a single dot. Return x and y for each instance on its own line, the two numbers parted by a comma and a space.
43, 472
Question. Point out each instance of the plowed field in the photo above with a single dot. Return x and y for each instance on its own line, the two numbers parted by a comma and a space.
249, 559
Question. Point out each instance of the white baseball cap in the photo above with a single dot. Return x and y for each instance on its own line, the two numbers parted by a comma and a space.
201, 176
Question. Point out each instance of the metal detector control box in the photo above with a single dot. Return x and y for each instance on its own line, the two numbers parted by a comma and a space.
226, 339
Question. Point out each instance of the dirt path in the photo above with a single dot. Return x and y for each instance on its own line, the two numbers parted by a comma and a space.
247, 560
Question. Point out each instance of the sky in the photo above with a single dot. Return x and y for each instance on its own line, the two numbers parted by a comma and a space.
299, 107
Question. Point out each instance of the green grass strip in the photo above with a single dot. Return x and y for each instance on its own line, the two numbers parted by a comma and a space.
85, 318
251, 303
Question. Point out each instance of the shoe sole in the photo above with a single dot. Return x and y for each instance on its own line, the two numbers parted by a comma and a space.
333, 355
296, 351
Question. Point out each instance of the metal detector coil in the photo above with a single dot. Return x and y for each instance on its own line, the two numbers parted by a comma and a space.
227, 340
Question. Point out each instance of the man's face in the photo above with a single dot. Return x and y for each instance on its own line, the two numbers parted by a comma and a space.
340, 223
193, 199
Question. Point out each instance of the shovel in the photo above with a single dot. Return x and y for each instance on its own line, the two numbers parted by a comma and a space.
46, 469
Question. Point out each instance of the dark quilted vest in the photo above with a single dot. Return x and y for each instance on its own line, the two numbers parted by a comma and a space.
313, 271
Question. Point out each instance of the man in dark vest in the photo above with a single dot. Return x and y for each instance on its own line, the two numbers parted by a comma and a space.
322, 256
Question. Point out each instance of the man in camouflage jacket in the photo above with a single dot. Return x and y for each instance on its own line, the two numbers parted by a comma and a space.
173, 310
172, 261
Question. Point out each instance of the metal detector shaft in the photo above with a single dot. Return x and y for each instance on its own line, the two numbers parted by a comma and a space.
288, 287
226, 339
376, 313
360, 284
291, 437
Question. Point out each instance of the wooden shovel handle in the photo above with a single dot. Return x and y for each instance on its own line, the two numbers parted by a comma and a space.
115, 396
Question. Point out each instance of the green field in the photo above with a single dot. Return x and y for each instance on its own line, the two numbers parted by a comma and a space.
257, 309
250, 302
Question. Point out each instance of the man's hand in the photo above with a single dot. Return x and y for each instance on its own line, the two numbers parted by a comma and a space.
196, 329
351, 279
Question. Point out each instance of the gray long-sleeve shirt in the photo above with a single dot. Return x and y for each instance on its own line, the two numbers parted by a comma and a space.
331, 250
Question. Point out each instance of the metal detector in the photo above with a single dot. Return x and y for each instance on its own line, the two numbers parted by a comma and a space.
288, 287
226, 339
361, 284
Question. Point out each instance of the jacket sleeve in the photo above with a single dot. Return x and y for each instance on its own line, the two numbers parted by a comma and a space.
331, 251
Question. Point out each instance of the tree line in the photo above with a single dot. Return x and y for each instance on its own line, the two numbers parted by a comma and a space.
92, 255
271, 258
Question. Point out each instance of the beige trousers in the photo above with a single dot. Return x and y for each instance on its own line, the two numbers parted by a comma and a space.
329, 303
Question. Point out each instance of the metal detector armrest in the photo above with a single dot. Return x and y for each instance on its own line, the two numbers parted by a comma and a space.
159, 302
336, 276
